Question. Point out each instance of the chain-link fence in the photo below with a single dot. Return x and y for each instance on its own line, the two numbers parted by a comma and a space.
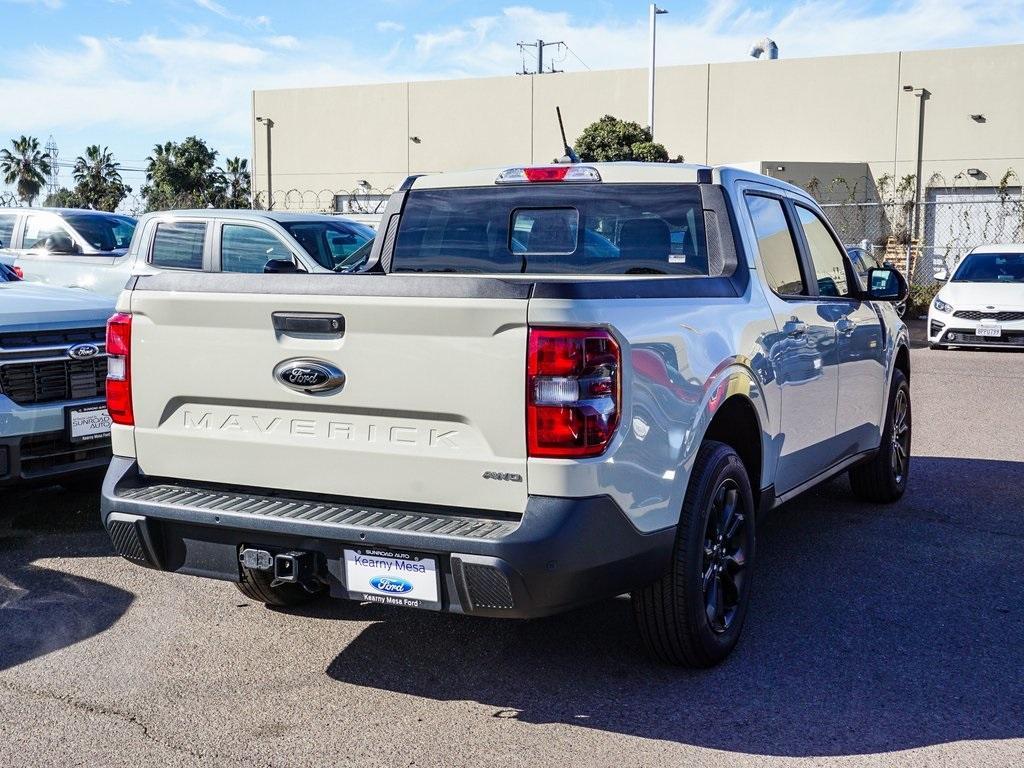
932, 235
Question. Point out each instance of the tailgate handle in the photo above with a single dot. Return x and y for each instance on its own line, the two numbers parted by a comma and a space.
309, 322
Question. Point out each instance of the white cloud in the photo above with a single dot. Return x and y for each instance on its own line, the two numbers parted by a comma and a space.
196, 49
284, 42
214, 7
723, 31
390, 26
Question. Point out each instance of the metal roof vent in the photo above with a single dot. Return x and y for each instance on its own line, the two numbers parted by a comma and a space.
765, 48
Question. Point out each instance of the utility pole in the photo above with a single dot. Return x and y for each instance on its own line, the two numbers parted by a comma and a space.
540, 45
270, 186
655, 12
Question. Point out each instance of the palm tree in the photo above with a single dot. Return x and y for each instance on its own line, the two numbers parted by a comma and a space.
98, 178
239, 182
97, 167
26, 167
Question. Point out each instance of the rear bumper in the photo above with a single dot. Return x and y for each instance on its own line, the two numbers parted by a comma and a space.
561, 553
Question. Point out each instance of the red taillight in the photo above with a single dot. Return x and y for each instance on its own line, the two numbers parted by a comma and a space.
546, 173
119, 369
19, 272
572, 391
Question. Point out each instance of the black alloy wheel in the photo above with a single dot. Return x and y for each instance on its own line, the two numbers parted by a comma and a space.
725, 557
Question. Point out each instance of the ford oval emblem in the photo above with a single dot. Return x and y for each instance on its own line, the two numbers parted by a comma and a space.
311, 376
83, 351
390, 585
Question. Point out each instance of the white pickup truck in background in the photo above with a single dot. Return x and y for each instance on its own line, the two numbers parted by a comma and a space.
550, 385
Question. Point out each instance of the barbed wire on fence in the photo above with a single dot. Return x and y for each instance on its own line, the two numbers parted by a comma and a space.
362, 199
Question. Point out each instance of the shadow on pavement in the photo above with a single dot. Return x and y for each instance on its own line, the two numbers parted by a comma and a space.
872, 629
43, 610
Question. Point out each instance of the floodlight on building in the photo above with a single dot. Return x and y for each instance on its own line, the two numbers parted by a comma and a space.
979, 118
976, 173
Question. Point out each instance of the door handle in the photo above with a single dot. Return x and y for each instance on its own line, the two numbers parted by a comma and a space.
309, 322
845, 326
795, 328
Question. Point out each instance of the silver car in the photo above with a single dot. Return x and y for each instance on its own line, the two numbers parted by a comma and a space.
99, 251
67, 247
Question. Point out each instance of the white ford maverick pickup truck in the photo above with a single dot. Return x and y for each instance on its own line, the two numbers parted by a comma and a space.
550, 385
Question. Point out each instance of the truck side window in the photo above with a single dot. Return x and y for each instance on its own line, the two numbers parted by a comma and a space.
179, 245
829, 260
6, 229
248, 249
776, 246
39, 228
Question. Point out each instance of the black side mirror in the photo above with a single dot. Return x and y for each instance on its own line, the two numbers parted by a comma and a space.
281, 266
887, 284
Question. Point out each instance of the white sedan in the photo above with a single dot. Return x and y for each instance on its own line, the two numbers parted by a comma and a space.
983, 304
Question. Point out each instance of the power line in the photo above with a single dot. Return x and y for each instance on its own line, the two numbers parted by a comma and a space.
581, 61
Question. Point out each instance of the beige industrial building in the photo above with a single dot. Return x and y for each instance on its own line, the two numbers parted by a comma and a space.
837, 117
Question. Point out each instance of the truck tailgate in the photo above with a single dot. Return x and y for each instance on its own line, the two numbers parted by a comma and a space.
431, 409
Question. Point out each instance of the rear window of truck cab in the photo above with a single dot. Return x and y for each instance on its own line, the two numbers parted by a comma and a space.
610, 229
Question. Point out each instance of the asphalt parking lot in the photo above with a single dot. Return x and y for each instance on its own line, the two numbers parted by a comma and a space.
877, 636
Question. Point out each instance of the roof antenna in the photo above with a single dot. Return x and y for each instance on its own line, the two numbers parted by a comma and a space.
570, 156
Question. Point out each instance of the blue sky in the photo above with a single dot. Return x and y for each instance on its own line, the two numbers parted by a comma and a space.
131, 73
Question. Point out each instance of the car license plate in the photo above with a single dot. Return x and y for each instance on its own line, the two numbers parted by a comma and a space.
393, 578
89, 423
993, 331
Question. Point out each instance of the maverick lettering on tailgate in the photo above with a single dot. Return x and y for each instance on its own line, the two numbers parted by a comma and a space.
342, 431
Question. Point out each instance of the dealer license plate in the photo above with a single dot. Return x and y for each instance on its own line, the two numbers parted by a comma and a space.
394, 578
90, 423
993, 331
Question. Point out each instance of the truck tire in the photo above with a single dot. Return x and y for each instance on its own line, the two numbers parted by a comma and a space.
256, 586
883, 479
693, 615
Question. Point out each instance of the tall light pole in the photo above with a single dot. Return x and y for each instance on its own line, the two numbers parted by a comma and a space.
922, 95
655, 12
270, 186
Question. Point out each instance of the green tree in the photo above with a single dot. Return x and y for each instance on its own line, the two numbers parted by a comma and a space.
26, 167
183, 175
64, 198
98, 179
238, 180
610, 139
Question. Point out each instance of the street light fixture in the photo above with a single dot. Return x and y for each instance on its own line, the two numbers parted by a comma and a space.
270, 187
655, 12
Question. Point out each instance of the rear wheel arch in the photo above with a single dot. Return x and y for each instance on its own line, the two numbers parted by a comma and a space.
737, 423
